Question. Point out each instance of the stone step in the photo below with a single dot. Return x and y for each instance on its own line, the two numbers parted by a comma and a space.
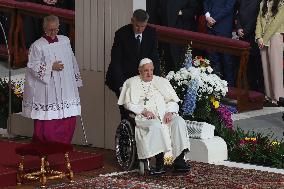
210, 150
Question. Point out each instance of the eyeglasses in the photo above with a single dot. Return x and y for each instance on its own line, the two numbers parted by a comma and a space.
53, 30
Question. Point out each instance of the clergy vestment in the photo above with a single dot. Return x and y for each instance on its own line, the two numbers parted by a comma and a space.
153, 136
51, 97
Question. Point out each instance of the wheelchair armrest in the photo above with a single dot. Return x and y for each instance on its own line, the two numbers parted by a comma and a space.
130, 114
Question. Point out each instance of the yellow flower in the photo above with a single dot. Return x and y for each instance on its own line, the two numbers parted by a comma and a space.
253, 139
168, 160
17, 91
275, 143
247, 139
216, 104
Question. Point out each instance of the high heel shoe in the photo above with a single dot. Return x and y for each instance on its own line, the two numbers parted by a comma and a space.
270, 103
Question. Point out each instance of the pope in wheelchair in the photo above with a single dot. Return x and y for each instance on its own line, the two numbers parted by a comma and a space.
159, 128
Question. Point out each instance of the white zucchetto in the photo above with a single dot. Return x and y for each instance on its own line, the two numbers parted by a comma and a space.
145, 61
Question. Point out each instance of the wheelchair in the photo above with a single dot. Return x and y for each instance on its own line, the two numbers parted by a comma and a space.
125, 145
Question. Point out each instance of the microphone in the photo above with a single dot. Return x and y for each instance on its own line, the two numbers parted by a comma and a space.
9, 81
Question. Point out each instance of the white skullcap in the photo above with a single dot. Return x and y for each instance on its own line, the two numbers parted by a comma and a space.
145, 61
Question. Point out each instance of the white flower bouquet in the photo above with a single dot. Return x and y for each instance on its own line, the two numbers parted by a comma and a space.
196, 81
209, 84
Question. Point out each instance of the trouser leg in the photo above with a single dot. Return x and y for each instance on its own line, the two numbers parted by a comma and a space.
266, 72
275, 53
229, 69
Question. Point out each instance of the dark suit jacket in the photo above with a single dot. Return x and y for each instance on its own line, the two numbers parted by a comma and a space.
165, 12
222, 11
153, 9
125, 59
247, 15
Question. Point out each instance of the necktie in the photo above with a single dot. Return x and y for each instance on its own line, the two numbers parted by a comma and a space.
138, 41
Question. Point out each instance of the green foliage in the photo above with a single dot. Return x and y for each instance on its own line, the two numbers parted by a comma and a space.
250, 147
256, 148
202, 110
246, 147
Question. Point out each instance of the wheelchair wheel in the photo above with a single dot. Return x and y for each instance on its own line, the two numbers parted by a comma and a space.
125, 145
141, 167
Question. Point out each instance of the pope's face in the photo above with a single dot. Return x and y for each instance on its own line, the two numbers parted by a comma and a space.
146, 72
138, 27
51, 29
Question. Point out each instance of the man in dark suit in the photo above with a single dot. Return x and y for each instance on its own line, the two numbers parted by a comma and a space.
219, 16
132, 42
180, 14
247, 12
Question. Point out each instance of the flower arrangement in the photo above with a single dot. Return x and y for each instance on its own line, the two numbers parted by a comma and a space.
201, 92
16, 98
254, 148
196, 82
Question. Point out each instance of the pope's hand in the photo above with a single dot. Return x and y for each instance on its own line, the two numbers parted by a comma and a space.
148, 114
168, 117
57, 66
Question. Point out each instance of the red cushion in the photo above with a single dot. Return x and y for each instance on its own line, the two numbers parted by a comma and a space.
9, 3
41, 149
168, 31
38, 8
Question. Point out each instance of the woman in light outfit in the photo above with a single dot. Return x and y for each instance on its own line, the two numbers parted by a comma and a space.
269, 30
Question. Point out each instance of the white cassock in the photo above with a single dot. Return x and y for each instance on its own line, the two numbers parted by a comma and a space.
153, 136
51, 94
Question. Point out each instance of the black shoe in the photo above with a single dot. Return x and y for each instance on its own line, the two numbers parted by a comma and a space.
157, 171
160, 167
269, 103
280, 102
181, 166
